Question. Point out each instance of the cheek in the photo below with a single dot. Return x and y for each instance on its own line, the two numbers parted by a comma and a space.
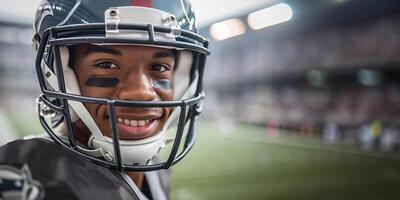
92, 109
98, 113
166, 115
165, 94
97, 92
164, 88
163, 84
97, 87
93, 85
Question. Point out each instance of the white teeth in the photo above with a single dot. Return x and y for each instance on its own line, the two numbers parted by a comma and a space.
134, 123
141, 122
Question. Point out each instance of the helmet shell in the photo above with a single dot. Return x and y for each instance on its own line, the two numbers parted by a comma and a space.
54, 13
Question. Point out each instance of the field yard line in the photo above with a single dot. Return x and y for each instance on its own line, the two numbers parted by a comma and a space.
311, 147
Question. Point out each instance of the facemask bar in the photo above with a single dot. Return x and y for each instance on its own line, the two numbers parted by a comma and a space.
115, 136
193, 103
61, 84
179, 133
54, 41
172, 158
195, 42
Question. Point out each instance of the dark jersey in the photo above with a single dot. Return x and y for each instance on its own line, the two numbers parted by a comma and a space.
59, 172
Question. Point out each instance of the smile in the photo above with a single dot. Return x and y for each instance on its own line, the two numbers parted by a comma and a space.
133, 129
129, 122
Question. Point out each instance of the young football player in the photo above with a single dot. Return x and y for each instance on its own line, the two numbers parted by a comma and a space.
122, 89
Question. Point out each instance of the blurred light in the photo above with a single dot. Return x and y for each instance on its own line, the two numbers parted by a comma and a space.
227, 29
269, 16
369, 77
317, 78
339, 1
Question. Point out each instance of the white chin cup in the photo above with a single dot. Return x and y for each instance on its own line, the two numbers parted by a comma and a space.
132, 152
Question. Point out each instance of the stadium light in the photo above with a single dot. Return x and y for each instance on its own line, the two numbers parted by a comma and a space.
369, 77
269, 16
227, 29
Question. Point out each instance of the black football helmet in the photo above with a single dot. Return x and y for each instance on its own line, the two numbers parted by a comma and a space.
158, 23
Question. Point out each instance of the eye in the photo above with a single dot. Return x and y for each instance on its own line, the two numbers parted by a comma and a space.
158, 68
107, 65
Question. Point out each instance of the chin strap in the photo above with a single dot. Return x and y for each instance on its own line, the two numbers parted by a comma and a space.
98, 153
76, 108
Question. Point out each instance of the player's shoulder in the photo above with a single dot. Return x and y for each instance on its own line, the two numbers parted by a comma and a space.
16, 181
29, 150
62, 173
21, 148
28, 142
43, 155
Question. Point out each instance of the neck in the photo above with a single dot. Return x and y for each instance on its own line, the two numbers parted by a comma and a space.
137, 177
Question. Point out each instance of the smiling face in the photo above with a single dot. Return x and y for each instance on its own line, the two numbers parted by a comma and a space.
124, 73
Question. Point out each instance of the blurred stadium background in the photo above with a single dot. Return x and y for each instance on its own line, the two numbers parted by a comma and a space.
303, 98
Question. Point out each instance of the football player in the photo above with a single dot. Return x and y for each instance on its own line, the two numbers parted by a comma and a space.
122, 89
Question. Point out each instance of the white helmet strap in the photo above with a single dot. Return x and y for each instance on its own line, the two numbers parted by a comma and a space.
77, 107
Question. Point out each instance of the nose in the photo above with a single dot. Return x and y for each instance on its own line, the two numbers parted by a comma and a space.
136, 85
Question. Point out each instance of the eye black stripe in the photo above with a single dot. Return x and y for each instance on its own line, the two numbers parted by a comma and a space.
95, 81
162, 84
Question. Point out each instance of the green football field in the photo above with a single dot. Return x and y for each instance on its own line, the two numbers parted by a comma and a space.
246, 164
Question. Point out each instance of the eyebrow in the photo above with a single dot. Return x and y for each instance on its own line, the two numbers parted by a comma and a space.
101, 49
163, 54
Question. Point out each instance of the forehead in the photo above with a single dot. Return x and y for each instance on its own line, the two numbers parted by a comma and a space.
84, 50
